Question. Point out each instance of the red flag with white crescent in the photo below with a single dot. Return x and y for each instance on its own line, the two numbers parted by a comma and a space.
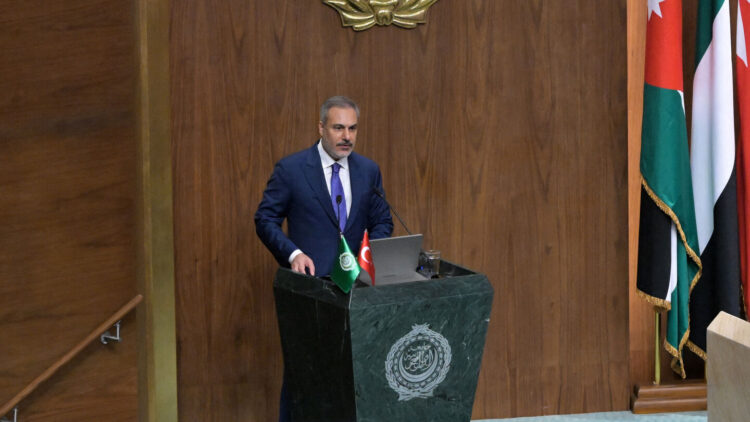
365, 257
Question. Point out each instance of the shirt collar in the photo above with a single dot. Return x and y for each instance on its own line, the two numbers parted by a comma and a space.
326, 159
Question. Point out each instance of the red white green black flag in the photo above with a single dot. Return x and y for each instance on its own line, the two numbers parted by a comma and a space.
668, 261
712, 159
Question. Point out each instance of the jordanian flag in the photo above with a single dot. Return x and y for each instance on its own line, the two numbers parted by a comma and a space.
712, 162
743, 146
345, 268
668, 263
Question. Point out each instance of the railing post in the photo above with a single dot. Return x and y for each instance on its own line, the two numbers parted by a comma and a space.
15, 416
104, 338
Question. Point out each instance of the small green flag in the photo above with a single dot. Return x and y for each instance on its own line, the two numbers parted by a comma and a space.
345, 268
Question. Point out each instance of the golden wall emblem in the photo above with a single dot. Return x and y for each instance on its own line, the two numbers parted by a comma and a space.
363, 14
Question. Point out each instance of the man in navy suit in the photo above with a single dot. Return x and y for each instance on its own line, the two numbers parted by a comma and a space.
322, 191
301, 190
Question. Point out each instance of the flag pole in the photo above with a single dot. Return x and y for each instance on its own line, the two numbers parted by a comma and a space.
666, 398
657, 354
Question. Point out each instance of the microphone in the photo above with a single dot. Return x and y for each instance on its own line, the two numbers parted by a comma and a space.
381, 194
338, 213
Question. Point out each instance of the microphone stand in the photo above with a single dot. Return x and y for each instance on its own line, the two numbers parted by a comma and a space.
382, 196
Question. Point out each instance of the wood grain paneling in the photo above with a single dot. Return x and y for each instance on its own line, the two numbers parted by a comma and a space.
97, 385
500, 128
641, 315
67, 186
157, 340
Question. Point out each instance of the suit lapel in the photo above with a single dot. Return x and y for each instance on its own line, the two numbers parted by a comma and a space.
314, 174
359, 187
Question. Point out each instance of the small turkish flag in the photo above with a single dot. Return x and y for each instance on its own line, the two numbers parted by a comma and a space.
365, 257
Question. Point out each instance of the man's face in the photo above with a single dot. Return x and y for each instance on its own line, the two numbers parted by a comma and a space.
339, 134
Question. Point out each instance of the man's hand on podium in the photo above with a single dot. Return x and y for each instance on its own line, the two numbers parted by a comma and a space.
302, 262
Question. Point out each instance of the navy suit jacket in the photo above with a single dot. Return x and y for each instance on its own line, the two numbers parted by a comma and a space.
297, 191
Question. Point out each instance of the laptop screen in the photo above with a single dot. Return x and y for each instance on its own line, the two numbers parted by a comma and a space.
396, 259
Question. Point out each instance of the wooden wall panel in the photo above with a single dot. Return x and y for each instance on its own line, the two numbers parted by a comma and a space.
641, 316
98, 385
500, 128
67, 187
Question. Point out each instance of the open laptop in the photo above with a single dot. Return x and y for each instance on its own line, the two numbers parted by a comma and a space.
396, 259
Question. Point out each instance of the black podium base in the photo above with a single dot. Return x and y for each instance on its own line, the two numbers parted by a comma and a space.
406, 352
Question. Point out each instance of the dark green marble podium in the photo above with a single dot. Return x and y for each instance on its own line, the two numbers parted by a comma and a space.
400, 352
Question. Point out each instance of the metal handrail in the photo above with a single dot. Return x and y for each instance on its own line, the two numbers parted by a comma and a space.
47, 374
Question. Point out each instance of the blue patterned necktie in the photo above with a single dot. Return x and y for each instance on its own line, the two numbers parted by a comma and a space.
338, 190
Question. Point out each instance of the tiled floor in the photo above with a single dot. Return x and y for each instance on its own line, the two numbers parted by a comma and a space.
612, 417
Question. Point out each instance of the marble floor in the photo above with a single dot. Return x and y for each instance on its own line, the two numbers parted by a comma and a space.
611, 417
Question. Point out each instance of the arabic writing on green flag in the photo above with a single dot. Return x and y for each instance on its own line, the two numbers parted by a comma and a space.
345, 268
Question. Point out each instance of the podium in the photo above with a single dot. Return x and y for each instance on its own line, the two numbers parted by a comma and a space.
398, 352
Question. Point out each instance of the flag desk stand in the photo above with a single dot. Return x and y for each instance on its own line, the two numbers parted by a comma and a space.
673, 397
685, 396
397, 352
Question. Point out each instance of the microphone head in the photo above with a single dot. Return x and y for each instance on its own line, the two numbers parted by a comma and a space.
338, 199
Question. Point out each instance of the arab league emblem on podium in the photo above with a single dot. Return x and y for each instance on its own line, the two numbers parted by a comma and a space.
417, 363
363, 14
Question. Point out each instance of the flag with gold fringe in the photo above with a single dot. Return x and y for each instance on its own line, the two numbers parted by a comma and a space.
668, 261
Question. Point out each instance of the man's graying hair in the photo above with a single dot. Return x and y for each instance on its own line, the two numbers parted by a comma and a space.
337, 101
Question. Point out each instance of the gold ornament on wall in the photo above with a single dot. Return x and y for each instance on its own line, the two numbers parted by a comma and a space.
363, 14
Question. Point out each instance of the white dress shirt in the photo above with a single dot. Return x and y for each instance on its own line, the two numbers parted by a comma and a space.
327, 162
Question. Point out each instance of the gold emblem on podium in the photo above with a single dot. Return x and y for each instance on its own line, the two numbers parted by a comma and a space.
363, 14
